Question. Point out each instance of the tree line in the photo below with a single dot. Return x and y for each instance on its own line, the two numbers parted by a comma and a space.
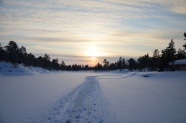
18, 55
157, 62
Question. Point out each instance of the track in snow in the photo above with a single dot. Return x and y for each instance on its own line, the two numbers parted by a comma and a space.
85, 104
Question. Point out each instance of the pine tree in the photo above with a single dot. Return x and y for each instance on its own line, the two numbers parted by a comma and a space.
184, 39
155, 59
2, 53
168, 55
55, 64
123, 64
46, 61
119, 64
62, 65
98, 67
180, 54
132, 64
105, 64
12, 51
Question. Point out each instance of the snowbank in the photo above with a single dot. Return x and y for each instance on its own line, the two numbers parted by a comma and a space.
9, 69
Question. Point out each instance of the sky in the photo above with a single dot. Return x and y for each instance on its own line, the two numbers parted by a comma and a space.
87, 31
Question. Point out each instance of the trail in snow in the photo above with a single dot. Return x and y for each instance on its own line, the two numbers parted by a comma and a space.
85, 104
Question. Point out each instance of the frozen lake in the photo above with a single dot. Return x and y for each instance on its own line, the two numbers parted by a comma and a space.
95, 97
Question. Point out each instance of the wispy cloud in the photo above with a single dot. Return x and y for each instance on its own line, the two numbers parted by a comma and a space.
116, 27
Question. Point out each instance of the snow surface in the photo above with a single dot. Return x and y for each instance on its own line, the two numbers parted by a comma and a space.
9, 69
178, 62
95, 97
159, 98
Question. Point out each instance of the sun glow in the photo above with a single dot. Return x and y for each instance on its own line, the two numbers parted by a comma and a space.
93, 51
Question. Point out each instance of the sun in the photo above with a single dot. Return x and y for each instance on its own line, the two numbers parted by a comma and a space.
93, 57
92, 52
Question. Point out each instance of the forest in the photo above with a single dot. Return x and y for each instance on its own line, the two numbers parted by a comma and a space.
157, 62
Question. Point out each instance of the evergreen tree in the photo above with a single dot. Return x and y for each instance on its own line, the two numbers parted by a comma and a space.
123, 63
69, 68
55, 64
112, 66
46, 61
98, 67
22, 55
105, 64
2, 53
168, 55
140, 63
12, 52
132, 64
62, 65
119, 64
184, 39
155, 60
87, 67
32, 61
144, 62
180, 54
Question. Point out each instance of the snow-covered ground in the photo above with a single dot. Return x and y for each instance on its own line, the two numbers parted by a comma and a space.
159, 98
9, 69
95, 97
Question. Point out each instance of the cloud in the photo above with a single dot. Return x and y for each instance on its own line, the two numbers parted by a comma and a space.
179, 9
58, 14
1, 2
72, 11
175, 6
116, 27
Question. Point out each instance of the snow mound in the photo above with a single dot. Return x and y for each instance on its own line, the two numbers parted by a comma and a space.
178, 62
19, 69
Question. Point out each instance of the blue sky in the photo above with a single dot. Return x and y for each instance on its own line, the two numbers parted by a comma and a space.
86, 31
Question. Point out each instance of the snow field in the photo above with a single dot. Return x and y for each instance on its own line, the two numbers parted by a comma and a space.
85, 104
91, 97
26, 96
159, 98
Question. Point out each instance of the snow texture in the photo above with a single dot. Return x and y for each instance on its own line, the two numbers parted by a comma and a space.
85, 104
159, 98
91, 97
9, 69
